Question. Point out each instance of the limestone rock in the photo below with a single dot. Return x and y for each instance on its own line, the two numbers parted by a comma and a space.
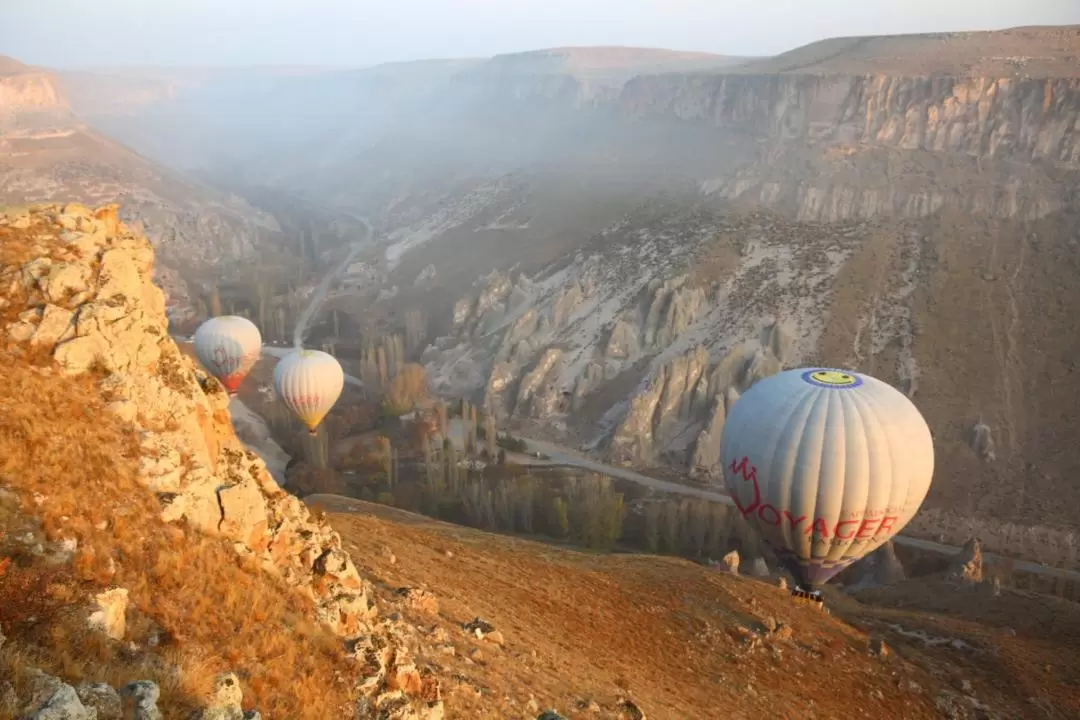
140, 700
420, 601
462, 311
56, 326
243, 513
672, 309
64, 281
661, 412
777, 340
706, 460
63, 704
491, 297
633, 439
628, 710
101, 698
622, 342
538, 394
567, 301
880, 567
982, 441
425, 275
967, 565
225, 700
110, 612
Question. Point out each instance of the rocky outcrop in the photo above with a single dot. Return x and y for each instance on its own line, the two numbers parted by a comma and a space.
967, 565
660, 414
91, 305
679, 416
672, 308
539, 394
877, 569
52, 699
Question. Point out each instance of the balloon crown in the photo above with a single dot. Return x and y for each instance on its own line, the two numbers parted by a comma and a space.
827, 378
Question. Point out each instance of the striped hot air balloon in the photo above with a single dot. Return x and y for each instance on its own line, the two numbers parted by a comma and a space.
309, 382
828, 465
228, 346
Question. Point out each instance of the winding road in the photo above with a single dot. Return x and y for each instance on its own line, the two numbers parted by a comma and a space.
319, 297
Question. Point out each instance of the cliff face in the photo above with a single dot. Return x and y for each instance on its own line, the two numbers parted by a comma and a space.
1025, 120
31, 100
77, 286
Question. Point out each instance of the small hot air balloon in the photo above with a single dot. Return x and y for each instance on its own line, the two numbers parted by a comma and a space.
228, 346
309, 382
828, 465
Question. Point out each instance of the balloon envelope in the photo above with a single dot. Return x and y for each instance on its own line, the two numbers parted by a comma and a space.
309, 382
228, 346
828, 465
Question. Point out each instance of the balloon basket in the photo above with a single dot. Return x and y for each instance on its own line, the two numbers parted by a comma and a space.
810, 598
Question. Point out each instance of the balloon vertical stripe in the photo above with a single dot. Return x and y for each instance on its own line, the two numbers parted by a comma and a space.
309, 382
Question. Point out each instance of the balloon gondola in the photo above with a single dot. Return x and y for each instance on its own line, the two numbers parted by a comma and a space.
827, 465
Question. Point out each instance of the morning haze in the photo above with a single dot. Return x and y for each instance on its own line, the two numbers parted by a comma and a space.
563, 372
352, 34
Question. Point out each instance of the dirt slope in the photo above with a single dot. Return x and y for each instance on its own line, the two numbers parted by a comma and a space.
678, 638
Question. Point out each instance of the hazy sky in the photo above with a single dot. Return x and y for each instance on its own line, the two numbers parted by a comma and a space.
73, 33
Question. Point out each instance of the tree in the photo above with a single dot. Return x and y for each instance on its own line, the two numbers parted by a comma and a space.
408, 388
440, 413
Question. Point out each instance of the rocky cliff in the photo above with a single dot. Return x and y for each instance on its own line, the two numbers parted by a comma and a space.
75, 289
31, 100
1019, 119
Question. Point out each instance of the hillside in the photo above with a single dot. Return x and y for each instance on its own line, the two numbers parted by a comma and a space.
146, 559
680, 640
1038, 52
130, 506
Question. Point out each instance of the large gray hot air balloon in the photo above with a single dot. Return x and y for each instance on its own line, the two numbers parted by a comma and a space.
827, 464
309, 382
228, 346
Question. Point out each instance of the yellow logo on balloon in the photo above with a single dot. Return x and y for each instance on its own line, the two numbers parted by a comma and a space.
833, 377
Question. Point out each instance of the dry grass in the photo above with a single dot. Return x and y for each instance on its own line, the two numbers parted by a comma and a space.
211, 610
665, 632
661, 630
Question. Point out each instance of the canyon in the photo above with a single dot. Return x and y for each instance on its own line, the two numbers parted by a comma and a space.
602, 248
609, 249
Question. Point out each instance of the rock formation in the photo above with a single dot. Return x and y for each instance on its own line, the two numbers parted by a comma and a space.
880, 567
681, 411
967, 565
86, 285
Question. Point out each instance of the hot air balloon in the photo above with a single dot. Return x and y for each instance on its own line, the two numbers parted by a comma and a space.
827, 465
228, 346
309, 382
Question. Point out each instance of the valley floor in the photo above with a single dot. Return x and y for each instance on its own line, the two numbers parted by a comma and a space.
685, 642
